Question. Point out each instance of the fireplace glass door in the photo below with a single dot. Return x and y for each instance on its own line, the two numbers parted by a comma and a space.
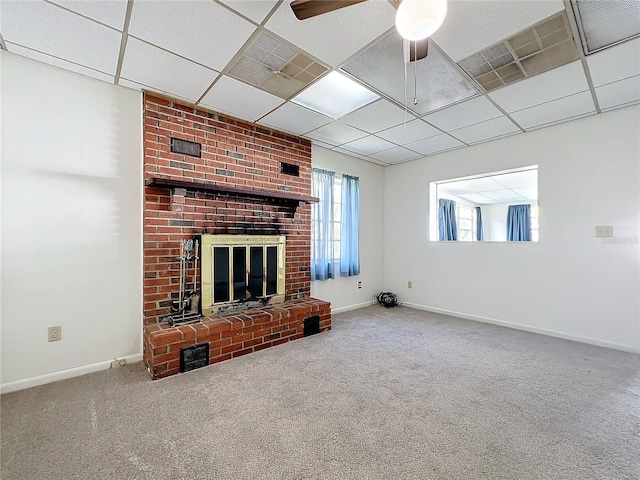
241, 268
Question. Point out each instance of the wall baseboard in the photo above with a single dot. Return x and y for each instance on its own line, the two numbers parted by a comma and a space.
526, 328
351, 307
64, 374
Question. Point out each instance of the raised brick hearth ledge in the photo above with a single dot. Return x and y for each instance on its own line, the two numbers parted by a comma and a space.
231, 335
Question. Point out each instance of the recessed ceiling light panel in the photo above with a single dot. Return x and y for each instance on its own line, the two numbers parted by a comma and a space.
335, 95
607, 23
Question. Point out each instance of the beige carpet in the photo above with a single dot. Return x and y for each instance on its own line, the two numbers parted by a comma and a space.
388, 394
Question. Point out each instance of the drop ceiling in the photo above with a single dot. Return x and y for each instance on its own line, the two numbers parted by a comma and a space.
494, 69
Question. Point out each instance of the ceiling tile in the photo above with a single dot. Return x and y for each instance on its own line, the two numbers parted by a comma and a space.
109, 12
477, 198
479, 132
395, 155
49, 29
377, 116
435, 144
336, 133
504, 195
256, 10
368, 145
123, 82
565, 108
204, 32
239, 99
56, 62
345, 24
551, 85
460, 36
480, 184
615, 63
409, 132
294, 119
619, 93
524, 179
466, 113
148, 65
382, 66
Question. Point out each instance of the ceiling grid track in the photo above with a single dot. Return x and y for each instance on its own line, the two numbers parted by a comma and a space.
123, 41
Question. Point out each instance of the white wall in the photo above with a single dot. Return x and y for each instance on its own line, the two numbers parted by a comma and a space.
71, 223
343, 292
570, 284
494, 222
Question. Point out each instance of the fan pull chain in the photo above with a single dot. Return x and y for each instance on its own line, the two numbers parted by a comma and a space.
415, 73
406, 97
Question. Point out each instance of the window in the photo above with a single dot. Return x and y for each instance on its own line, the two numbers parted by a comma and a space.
334, 250
481, 204
465, 219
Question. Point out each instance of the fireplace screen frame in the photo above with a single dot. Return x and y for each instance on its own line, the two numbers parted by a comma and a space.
233, 242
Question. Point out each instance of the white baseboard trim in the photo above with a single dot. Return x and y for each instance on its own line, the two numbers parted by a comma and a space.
527, 328
64, 374
351, 307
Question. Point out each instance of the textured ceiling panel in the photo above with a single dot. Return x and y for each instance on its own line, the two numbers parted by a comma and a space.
563, 109
295, 119
608, 22
56, 62
240, 100
335, 36
377, 116
395, 155
436, 144
109, 12
466, 113
368, 145
148, 65
615, 63
409, 132
256, 10
432, 81
472, 26
619, 93
480, 132
336, 133
204, 32
49, 29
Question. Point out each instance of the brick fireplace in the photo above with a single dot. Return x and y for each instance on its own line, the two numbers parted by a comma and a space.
248, 180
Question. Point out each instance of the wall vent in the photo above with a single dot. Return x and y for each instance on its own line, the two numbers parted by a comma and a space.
311, 325
194, 357
185, 147
290, 169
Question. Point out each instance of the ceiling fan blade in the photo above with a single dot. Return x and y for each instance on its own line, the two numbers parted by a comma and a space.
303, 9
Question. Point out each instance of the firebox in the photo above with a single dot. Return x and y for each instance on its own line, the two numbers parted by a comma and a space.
239, 270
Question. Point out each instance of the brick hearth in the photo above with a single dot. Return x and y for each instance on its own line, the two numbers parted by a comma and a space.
231, 335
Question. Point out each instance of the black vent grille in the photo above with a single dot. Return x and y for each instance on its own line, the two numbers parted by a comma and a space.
185, 147
290, 169
311, 325
194, 357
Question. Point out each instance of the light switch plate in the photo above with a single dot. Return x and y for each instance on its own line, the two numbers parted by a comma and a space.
604, 231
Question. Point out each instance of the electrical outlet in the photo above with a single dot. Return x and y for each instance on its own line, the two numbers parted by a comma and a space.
55, 333
604, 231
409, 284
359, 284
118, 362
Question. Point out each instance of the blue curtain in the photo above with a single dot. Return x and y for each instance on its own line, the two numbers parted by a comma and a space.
350, 225
519, 223
447, 219
479, 228
322, 225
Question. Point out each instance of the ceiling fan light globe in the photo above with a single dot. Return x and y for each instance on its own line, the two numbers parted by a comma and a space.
419, 19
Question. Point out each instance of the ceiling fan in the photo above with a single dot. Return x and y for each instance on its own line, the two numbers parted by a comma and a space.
416, 20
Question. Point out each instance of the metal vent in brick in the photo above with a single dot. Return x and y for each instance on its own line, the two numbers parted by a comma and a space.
194, 357
543, 47
311, 325
290, 169
185, 147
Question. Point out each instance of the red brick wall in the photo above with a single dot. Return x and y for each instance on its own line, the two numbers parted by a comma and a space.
234, 153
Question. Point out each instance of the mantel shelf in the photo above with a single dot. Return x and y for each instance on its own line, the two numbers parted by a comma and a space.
291, 200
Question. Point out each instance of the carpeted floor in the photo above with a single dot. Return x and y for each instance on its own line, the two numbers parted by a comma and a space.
387, 394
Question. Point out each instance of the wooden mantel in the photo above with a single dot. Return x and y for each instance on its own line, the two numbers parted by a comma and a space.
288, 199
